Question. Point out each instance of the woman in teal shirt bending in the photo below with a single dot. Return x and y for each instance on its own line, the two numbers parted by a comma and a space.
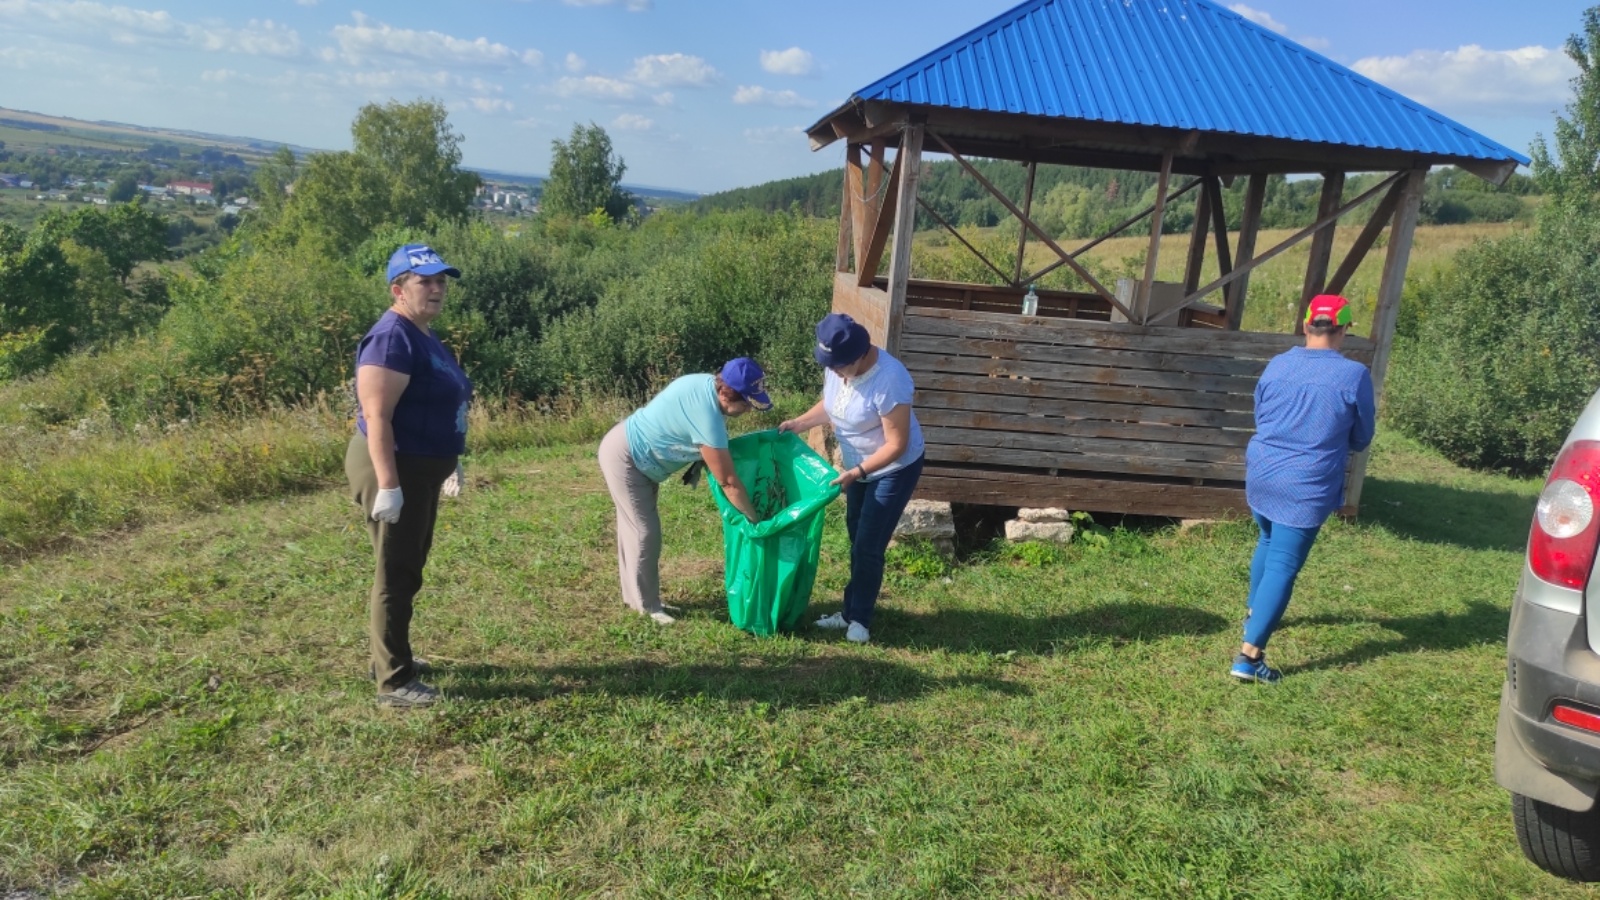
684, 423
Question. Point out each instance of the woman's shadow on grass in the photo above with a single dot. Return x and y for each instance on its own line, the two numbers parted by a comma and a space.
983, 631
1480, 623
810, 681
1475, 520
834, 678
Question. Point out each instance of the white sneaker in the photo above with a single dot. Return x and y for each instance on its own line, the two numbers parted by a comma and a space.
661, 618
834, 621
857, 633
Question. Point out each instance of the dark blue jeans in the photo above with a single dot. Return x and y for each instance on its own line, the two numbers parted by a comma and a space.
1280, 553
872, 510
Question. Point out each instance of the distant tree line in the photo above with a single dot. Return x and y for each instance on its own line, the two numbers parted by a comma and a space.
1081, 202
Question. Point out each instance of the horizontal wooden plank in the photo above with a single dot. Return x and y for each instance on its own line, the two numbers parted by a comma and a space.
1063, 443
1080, 493
1084, 428
1085, 374
1077, 408
1028, 351
943, 451
1060, 390
1113, 335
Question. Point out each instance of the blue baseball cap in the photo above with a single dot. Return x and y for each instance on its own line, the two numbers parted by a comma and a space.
744, 376
840, 341
421, 259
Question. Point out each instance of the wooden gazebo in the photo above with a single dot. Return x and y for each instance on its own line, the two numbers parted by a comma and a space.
1136, 397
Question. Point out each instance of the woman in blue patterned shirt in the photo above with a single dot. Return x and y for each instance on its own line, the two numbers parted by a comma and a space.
1314, 408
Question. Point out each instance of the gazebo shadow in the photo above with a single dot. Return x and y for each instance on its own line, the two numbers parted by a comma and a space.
1475, 520
813, 681
1480, 623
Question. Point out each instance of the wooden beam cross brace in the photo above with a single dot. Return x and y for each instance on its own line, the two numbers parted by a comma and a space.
1365, 240
1288, 242
1120, 227
950, 228
1038, 232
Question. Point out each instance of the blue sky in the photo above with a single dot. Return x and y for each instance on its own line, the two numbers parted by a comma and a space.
698, 95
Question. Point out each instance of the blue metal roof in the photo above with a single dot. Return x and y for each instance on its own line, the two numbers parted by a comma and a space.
1186, 64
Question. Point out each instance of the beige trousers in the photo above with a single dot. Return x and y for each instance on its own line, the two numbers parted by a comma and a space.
638, 523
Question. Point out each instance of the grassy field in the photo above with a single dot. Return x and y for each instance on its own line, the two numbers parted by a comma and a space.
183, 709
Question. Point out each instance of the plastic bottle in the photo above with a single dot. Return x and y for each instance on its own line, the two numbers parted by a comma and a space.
1030, 303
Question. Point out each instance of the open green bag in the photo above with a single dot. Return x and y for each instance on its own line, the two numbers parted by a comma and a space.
770, 565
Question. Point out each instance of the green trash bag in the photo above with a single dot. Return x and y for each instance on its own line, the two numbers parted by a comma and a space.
770, 565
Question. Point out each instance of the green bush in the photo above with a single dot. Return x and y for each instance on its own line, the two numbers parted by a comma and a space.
1498, 356
755, 289
273, 327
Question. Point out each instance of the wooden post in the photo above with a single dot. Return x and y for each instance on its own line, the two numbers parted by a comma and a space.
1364, 241
1197, 242
1022, 232
1255, 194
908, 168
1383, 318
841, 254
1321, 248
853, 185
1142, 300
1219, 224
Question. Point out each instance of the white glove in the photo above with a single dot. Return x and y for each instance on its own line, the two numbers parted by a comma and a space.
386, 508
452, 485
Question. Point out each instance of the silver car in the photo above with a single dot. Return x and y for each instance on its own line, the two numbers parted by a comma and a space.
1547, 745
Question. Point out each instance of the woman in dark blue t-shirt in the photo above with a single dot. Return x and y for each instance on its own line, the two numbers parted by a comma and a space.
411, 423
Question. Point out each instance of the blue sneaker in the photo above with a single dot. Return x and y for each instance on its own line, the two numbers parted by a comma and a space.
1246, 669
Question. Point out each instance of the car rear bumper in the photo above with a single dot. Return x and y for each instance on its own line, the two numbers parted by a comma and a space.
1547, 659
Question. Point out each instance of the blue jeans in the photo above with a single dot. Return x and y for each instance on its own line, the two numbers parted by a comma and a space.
1280, 553
872, 510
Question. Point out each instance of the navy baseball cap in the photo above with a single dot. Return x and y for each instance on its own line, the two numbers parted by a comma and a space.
743, 375
840, 341
421, 259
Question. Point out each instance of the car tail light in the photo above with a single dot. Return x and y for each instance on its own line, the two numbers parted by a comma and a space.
1566, 529
1577, 718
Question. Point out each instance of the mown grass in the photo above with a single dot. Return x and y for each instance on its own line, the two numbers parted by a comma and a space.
183, 711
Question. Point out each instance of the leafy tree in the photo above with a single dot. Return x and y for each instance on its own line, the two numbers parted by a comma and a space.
1572, 176
585, 176
125, 235
1498, 356
272, 179
414, 145
124, 189
36, 299
340, 198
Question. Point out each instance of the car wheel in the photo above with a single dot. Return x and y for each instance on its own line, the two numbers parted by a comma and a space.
1560, 841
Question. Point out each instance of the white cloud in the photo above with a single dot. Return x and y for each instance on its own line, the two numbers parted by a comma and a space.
597, 87
258, 38
1264, 19
632, 122
792, 61
576, 63
369, 40
752, 95
92, 22
632, 5
775, 134
673, 70
1530, 81
664, 98
307, 2
490, 105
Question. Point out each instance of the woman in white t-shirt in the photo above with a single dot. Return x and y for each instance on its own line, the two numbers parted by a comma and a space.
866, 398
